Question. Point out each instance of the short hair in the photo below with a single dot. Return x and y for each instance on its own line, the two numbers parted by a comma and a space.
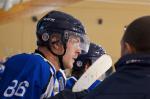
137, 34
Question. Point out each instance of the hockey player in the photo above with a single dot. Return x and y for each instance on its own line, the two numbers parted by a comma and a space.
60, 39
83, 62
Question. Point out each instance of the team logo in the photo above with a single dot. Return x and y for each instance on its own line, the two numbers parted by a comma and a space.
49, 19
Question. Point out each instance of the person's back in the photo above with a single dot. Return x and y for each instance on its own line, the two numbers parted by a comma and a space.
131, 81
132, 77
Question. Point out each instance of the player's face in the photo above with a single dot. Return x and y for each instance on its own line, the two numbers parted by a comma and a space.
72, 51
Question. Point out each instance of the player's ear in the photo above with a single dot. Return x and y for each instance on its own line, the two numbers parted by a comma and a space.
130, 48
87, 64
56, 44
127, 48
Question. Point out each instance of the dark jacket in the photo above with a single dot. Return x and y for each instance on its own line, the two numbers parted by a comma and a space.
130, 81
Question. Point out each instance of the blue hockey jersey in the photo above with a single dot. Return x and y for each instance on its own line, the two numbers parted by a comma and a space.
27, 76
70, 82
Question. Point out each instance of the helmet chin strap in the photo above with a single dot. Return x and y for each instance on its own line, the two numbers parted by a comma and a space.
60, 57
61, 61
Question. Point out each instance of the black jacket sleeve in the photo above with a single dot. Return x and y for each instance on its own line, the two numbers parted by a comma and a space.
68, 94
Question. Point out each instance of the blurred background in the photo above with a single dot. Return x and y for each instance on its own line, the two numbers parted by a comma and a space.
104, 20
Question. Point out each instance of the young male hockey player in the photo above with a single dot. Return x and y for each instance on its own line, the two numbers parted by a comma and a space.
83, 62
60, 39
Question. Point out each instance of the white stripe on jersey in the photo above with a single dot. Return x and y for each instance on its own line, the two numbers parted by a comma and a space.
50, 88
63, 73
49, 91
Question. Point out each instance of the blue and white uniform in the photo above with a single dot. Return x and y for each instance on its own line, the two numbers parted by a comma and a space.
70, 82
27, 76
60, 82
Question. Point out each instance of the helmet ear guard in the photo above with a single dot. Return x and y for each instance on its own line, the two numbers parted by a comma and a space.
42, 37
45, 37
